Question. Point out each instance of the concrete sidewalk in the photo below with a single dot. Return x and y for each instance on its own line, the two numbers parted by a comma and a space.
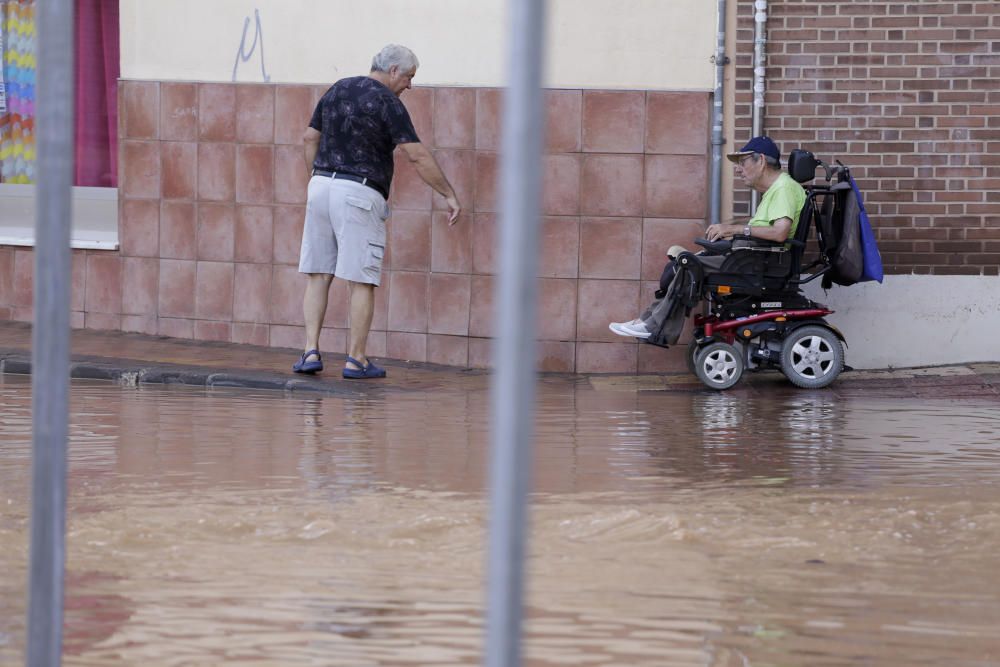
135, 359
132, 359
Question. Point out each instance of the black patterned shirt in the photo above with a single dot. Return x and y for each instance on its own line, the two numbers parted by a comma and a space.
360, 122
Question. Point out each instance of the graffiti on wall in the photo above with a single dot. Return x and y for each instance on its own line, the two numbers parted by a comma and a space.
243, 55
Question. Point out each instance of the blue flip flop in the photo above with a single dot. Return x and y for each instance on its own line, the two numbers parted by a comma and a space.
366, 371
308, 367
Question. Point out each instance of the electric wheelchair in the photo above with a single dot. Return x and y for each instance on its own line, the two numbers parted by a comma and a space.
754, 316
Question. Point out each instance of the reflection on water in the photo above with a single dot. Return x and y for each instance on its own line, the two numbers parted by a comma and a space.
798, 528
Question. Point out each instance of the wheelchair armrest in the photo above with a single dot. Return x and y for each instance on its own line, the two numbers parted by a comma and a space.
720, 247
741, 242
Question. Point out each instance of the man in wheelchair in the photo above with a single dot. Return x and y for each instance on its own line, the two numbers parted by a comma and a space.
748, 278
775, 221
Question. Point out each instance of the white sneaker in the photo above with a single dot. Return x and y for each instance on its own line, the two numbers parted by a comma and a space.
614, 326
633, 329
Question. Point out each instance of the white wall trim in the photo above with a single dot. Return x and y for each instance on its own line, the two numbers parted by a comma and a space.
916, 320
95, 217
590, 44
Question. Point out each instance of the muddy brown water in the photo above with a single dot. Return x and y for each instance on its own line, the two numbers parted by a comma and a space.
784, 528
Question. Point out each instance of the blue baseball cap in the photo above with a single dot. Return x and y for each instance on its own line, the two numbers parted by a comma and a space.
762, 145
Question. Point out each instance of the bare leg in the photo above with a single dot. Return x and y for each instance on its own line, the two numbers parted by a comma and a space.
362, 309
314, 308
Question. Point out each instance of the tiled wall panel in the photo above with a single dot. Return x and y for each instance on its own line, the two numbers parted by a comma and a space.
213, 193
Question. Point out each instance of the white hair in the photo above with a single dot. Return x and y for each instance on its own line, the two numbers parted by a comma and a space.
394, 54
768, 160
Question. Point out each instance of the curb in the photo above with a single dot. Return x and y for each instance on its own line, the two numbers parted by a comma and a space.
137, 374
980, 379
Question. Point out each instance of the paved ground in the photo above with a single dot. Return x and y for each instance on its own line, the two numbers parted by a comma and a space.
136, 358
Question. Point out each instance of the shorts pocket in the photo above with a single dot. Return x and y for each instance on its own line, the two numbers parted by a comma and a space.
373, 260
358, 202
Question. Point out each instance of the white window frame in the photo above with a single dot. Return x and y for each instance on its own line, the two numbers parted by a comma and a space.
95, 217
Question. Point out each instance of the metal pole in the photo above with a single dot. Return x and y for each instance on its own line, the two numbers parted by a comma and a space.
514, 348
721, 60
50, 333
759, 76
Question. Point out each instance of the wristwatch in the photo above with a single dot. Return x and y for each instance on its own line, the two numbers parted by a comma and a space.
746, 230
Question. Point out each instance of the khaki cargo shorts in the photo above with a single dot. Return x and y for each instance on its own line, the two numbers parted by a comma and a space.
344, 231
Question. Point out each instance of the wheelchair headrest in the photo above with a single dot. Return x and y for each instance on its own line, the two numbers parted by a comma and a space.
802, 165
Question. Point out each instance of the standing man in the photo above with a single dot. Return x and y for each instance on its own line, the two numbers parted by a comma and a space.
349, 143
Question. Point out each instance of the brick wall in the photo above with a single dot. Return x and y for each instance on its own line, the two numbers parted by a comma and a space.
907, 94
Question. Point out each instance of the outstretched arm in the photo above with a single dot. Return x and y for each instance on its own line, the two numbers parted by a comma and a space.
430, 171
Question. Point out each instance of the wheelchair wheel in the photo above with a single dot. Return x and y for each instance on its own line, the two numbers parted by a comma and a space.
719, 365
812, 357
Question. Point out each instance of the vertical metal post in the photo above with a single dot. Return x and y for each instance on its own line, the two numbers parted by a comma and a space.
514, 348
721, 60
50, 333
759, 77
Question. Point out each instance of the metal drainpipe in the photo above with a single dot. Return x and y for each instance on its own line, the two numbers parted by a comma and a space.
718, 140
759, 72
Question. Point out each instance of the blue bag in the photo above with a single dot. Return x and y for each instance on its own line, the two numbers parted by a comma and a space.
872, 259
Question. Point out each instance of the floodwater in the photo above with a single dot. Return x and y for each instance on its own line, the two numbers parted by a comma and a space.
793, 528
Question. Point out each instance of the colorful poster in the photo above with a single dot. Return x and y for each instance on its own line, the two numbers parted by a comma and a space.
17, 123
3, 88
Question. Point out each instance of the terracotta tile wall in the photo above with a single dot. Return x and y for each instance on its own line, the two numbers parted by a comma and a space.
212, 203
